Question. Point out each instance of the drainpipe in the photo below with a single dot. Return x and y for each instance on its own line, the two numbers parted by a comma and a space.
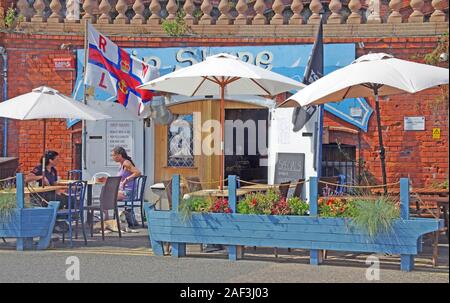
5, 97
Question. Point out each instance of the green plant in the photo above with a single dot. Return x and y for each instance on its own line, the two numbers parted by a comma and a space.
193, 204
433, 58
440, 103
177, 27
297, 206
269, 203
375, 217
12, 19
220, 205
336, 207
258, 203
7, 205
197, 14
281, 207
440, 185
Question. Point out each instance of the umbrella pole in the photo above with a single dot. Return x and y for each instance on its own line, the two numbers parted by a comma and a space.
43, 152
222, 118
380, 139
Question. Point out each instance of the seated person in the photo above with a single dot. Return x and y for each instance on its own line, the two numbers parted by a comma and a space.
50, 178
128, 172
51, 174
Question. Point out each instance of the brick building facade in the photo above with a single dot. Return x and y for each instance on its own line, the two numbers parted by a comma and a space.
413, 154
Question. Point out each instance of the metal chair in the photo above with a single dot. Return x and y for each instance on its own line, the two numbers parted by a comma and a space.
108, 201
75, 209
137, 196
75, 174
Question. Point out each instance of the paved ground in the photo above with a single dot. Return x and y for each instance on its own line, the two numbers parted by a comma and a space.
131, 260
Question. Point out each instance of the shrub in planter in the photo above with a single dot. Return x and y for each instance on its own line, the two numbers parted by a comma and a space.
281, 208
7, 205
201, 204
371, 217
193, 204
269, 203
258, 203
375, 217
220, 205
336, 207
297, 206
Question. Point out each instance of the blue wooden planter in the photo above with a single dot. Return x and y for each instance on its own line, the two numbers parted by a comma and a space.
26, 223
306, 232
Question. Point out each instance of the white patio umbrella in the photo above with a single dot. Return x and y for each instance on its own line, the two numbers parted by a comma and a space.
44, 103
219, 75
372, 75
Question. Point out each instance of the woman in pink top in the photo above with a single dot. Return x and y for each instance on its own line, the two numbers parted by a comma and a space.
128, 172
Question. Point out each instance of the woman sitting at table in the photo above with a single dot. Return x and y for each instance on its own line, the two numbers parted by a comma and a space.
50, 178
51, 175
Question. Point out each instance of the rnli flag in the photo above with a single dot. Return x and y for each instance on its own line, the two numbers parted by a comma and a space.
113, 70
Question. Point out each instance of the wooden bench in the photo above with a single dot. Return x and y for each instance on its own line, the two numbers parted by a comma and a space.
432, 206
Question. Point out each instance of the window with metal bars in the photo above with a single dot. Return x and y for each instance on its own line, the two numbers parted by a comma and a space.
339, 159
180, 142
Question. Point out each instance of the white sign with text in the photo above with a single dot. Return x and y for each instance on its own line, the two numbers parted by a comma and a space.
414, 123
118, 133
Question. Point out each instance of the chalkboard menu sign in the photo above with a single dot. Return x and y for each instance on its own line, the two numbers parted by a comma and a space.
289, 167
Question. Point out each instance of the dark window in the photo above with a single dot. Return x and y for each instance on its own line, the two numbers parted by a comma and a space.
339, 159
246, 161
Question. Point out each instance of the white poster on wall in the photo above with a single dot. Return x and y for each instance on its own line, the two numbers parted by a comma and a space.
118, 133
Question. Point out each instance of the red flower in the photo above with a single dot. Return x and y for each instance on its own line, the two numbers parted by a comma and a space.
228, 210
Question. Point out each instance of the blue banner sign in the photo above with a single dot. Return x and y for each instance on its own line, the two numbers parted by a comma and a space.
288, 60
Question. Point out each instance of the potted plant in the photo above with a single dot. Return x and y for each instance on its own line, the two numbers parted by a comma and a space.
7, 206
22, 223
267, 220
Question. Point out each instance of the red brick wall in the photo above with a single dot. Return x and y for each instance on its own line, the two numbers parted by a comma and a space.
407, 153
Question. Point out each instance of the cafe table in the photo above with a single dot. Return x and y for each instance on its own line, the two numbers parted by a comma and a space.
32, 189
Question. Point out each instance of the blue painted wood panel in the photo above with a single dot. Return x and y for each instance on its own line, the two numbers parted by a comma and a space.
306, 232
286, 231
26, 223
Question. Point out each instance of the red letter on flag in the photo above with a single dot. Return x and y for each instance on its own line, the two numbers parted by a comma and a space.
102, 43
102, 82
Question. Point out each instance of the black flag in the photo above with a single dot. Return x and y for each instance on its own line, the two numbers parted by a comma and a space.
314, 71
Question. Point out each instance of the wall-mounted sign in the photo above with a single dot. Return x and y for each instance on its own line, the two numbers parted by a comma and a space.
118, 133
64, 63
436, 133
289, 60
414, 123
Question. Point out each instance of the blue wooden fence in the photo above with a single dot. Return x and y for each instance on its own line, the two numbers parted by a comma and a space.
306, 232
26, 223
